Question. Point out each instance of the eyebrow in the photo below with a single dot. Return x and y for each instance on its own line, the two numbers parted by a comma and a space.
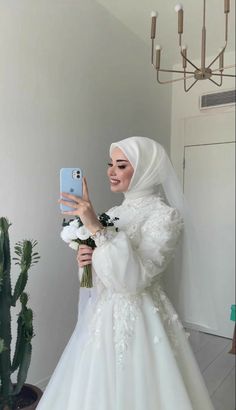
121, 160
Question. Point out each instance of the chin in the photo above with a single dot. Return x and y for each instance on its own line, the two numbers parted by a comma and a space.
116, 189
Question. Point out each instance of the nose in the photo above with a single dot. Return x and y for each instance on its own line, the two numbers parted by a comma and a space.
111, 171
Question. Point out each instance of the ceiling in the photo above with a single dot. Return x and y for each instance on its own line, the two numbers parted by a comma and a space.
135, 15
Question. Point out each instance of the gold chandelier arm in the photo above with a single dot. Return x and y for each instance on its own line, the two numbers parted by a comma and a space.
218, 84
175, 80
189, 88
181, 52
152, 57
225, 68
186, 59
218, 56
203, 47
175, 71
226, 26
186, 89
224, 75
226, 38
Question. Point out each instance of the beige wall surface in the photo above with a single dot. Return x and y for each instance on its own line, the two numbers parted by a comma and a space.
72, 80
186, 106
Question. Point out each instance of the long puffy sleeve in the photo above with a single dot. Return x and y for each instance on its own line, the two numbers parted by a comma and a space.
128, 268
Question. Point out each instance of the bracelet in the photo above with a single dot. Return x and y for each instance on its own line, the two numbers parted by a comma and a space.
103, 235
98, 232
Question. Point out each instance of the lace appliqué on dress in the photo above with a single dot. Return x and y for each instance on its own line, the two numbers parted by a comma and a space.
170, 318
125, 311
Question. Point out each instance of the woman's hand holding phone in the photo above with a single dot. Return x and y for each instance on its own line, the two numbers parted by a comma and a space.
82, 208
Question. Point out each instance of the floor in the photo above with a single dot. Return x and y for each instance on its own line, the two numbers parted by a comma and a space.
217, 367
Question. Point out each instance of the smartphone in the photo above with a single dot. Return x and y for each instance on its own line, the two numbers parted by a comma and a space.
71, 182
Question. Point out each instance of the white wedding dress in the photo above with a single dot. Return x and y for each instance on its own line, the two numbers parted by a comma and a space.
129, 350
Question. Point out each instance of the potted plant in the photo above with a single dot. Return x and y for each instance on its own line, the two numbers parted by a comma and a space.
16, 395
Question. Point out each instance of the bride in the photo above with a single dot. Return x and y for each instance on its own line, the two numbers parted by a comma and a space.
129, 350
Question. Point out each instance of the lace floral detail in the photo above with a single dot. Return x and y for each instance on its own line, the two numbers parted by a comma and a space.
96, 321
125, 311
133, 232
170, 318
142, 201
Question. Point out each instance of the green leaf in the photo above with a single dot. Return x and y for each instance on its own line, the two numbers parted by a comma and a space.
2, 346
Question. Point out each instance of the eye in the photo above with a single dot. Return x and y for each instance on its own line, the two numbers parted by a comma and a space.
110, 164
121, 166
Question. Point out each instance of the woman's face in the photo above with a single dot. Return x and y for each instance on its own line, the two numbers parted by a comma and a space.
120, 171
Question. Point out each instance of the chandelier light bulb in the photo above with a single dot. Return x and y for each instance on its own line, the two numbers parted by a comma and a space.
158, 47
178, 7
153, 24
154, 14
180, 11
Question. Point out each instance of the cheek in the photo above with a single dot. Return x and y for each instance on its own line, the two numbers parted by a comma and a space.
128, 176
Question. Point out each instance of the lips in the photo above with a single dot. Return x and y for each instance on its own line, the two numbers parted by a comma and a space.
114, 181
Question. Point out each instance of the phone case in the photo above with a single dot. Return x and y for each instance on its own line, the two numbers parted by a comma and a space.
71, 182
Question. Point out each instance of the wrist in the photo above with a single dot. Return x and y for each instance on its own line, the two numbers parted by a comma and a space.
95, 228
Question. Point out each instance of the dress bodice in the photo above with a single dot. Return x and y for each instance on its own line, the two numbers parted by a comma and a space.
152, 227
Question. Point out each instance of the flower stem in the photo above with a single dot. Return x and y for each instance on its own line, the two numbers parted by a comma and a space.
87, 279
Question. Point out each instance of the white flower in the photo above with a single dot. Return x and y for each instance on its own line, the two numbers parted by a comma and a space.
74, 245
68, 233
74, 223
83, 233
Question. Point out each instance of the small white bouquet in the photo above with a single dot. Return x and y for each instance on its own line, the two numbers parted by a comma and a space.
75, 233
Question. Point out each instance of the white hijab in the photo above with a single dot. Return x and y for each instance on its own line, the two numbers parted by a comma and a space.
147, 157
152, 168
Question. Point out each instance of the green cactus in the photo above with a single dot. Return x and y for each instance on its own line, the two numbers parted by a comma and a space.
26, 257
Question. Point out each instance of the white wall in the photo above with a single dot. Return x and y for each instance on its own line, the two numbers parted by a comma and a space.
186, 105
185, 109
72, 80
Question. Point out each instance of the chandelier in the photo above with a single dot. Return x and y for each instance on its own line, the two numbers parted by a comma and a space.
201, 72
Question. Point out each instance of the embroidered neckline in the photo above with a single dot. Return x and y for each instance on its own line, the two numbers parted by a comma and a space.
141, 200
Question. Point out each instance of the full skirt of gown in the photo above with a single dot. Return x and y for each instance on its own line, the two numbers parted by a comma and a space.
128, 352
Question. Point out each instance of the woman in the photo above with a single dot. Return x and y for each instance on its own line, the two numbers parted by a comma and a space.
129, 350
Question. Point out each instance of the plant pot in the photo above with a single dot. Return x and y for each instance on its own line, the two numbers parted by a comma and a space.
28, 398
